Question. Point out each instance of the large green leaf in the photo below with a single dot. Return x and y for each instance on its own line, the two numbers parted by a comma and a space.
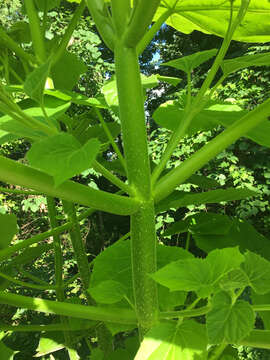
114, 264
170, 341
202, 181
183, 199
8, 226
199, 275
190, 62
6, 353
241, 234
259, 299
66, 72
49, 343
108, 292
229, 321
35, 82
62, 156
258, 272
235, 279
97, 131
242, 62
212, 16
50, 4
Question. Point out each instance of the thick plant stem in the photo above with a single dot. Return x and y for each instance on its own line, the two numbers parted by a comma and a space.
143, 238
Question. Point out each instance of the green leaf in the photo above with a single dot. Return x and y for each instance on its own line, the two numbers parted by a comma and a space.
97, 131
6, 352
228, 321
49, 343
96, 353
241, 234
259, 299
108, 292
50, 4
35, 82
66, 72
171, 341
199, 275
114, 264
231, 65
206, 17
180, 199
235, 279
30, 254
209, 223
168, 79
178, 227
258, 271
202, 181
20, 32
190, 62
8, 226
62, 156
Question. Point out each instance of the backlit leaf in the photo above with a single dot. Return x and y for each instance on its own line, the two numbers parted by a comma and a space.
190, 62
199, 275
62, 156
242, 62
108, 292
228, 321
205, 16
235, 279
35, 82
171, 341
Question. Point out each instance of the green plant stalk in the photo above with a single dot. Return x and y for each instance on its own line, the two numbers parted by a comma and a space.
257, 339
58, 257
218, 351
102, 20
78, 248
143, 237
182, 172
185, 313
120, 15
112, 178
199, 101
145, 41
109, 136
19, 192
51, 327
36, 31
114, 315
32, 277
13, 46
19, 174
141, 18
68, 33
27, 284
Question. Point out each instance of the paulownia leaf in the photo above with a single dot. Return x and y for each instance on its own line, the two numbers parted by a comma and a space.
35, 82
50, 4
71, 67
190, 62
241, 234
228, 321
231, 65
259, 299
182, 199
205, 16
20, 32
171, 341
97, 131
258, 272
8, 226
108, 292
62, 156
49, 343
200, 275
202, 181
168, 79
31, 253
235, 279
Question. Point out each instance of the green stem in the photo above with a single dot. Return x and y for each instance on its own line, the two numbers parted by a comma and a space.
200, 101
182, 172
148, 37
51, 327
68, 33
218, 351
58, 257
19, 192
112, 178
26, 284
143, 237
141, 18
32, 277
15, 173
36, 31
103, 21
78, 248
257, 339
114, 315
185, 313
111, 139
